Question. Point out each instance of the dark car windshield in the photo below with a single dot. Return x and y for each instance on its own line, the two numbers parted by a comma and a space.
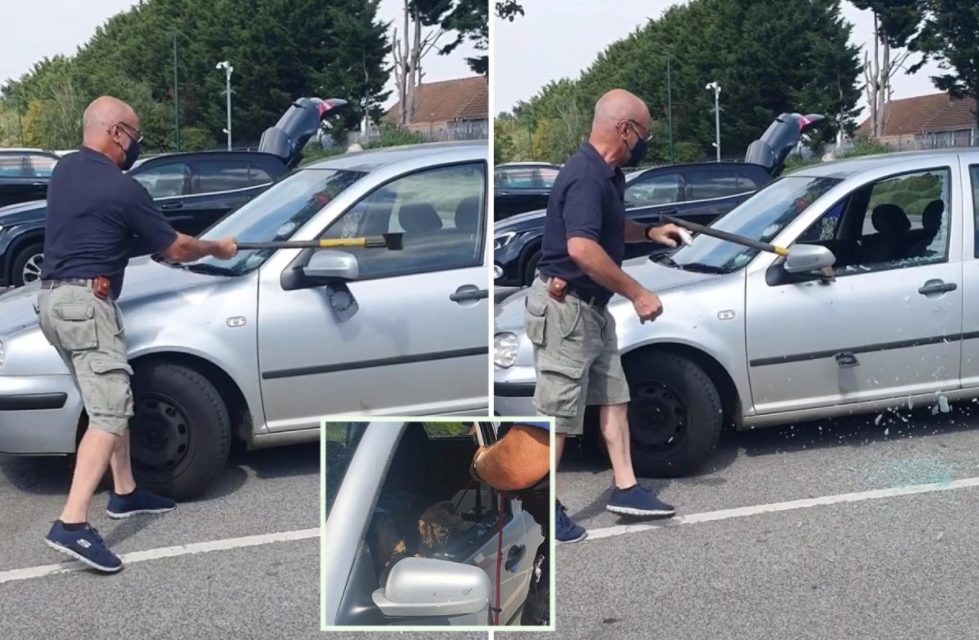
760, 217
275, 214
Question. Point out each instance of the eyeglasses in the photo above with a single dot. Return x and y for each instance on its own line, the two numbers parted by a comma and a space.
636, 127
136, 135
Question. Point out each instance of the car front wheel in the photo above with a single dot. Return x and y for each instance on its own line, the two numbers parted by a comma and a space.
675, 416
27, 265
181, 432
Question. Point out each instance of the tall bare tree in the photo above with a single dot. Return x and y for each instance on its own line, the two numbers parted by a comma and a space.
417, 39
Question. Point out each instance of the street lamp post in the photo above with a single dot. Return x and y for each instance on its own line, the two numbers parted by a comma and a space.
176, 95
717, 116
224, 64
669, 105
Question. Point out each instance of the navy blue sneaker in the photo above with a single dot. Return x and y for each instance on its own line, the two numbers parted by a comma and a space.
638, 501
564, 529
139, 501
83, 543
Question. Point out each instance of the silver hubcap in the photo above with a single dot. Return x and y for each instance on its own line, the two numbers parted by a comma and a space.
32, 270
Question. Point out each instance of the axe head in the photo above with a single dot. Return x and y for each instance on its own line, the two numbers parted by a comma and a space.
394, 241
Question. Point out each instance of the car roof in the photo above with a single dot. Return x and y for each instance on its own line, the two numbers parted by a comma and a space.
25, 150
370, 160
846, 167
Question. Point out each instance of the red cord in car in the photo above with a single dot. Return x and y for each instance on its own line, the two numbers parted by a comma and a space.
499, 562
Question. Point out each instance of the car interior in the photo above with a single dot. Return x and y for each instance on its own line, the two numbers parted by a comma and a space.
434, 237
427, 469
886, 224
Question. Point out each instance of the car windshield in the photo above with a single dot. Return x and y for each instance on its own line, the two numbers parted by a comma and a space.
341, 440
760, 217
275, 214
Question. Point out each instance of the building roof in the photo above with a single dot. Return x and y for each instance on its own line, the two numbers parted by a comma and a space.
933, 112
459, 99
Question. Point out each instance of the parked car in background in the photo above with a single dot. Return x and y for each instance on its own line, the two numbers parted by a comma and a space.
259, 347
194, 190
699, 192
875, 307
380, 476
522, 186
24, 174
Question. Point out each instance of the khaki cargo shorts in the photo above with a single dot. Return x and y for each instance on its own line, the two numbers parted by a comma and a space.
88, 334
576, 355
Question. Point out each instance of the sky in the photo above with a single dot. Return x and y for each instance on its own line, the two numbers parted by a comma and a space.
544, 32
49, 27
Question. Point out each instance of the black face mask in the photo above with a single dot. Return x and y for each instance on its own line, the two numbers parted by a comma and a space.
132, 154
637, 153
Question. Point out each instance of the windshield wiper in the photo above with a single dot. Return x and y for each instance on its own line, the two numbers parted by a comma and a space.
211, 269
700, 267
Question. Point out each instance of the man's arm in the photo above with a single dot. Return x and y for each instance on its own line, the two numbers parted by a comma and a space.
599, 266
665, 234
188, 249
518, 461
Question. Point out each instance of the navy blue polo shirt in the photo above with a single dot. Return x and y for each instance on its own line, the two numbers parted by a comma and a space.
98, 218
587, 201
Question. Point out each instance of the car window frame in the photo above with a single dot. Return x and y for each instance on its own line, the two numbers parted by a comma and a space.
159, 165
709, 170
653, 174
247, 162
25, 167
948, 169
480, 255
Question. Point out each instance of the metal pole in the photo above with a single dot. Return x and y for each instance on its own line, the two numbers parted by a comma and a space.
717, 119
176, 96
227, 71
669, 105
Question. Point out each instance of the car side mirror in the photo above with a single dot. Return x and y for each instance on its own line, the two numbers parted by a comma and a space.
805, 258
330, 265
429, 587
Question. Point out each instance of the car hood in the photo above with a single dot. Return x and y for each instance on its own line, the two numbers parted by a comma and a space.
654, 276
520, 222
146, 281
23, 212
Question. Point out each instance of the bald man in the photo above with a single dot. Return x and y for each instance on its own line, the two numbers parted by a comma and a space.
576, 351
98, 218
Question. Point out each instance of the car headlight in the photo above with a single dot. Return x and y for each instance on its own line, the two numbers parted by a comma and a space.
505, 346
503, 239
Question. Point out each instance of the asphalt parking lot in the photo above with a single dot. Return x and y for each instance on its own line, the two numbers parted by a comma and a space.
257, 572
847, 529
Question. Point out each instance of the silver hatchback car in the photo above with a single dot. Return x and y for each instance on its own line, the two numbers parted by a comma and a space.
261, 346
378, 477
876, 306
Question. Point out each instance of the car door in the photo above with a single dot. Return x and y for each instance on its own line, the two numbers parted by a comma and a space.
649, 196
888, 325
711, 192
17, 181
168, 182
41, 167
970, 273
219, 185
408, 336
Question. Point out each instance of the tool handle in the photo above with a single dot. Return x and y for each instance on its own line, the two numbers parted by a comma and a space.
724, 235
386, 241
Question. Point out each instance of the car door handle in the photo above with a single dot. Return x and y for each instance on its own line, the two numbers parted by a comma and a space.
933, 287
514, 556
39, 183
469, 293
172, 205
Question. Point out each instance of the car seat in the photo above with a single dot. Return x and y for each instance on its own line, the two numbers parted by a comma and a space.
891, 240
931, 223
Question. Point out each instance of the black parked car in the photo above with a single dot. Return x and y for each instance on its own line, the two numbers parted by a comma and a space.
24, 174
194, 190
699, 192
521, 186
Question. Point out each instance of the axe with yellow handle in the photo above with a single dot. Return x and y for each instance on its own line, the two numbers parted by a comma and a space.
391, 241
724, 235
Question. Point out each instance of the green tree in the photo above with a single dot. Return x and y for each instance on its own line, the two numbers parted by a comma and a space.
509, 9
950, 35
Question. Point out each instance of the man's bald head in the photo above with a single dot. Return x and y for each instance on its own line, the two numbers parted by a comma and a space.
110, 126
621, 119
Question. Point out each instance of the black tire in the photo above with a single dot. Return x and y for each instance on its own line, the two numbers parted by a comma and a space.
530, 268
675, 417
181, 433
32, 254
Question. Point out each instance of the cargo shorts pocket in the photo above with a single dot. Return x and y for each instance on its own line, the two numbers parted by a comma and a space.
535, 319
74, 325
558, 391
108, 392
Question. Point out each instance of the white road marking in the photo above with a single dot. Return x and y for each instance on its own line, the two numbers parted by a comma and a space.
164, 552
791, 505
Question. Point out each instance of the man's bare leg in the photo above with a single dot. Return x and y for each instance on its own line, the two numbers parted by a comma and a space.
91, 462
122, 466
614, 421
